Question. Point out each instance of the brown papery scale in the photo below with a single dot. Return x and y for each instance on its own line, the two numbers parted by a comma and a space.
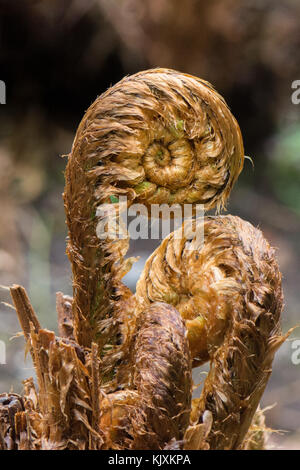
119, 374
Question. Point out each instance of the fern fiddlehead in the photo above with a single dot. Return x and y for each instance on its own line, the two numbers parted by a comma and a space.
156, 137
122, 378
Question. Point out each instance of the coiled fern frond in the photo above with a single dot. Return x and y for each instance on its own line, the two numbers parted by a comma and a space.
119, 374
156, 137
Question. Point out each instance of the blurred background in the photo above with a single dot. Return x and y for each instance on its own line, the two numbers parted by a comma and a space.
56, 56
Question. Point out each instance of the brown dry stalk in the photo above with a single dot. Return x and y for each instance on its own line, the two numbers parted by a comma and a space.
119, 375
24, 310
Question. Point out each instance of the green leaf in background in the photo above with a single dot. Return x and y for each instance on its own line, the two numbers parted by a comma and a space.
285, 167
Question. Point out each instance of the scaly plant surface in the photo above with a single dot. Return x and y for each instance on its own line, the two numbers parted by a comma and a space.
119, 374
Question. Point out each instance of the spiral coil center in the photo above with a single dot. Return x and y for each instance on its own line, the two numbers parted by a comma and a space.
169, 161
